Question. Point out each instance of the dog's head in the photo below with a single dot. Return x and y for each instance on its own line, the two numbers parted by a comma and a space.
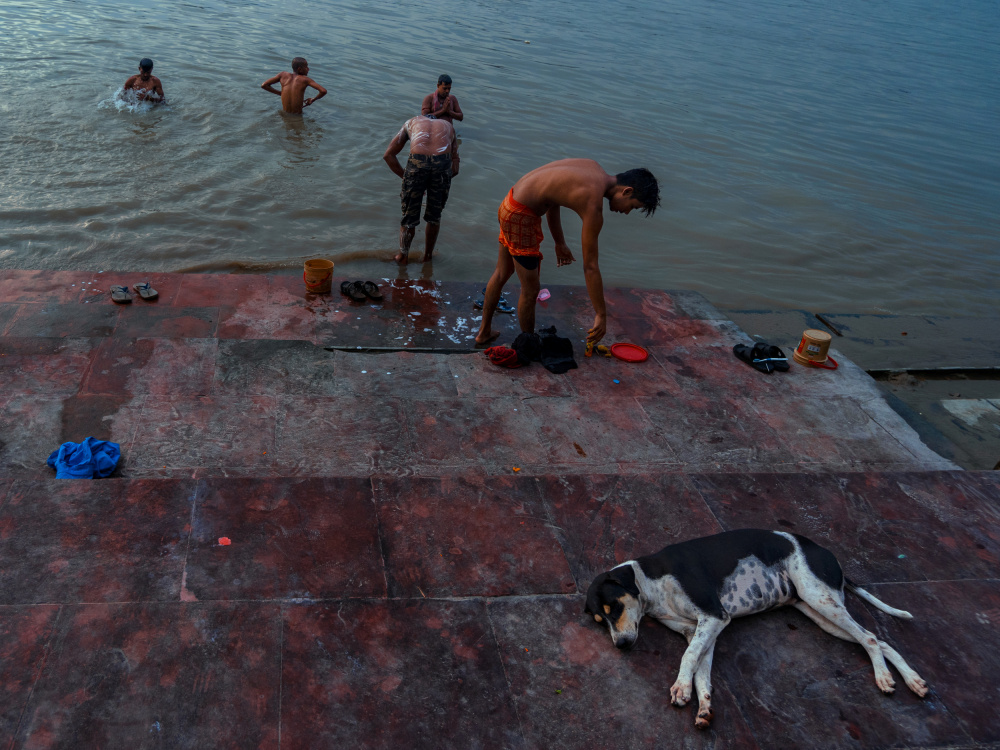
613, 598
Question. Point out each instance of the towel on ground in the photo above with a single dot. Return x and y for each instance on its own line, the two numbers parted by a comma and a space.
90, 459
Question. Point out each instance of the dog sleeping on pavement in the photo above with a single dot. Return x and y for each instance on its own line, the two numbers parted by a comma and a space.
695, 588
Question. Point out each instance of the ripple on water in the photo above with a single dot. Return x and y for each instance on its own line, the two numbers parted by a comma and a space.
839, 156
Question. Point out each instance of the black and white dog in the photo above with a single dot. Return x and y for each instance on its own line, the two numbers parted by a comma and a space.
697, 587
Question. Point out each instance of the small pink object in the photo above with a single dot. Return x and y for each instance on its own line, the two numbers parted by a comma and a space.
225, 541
543, 295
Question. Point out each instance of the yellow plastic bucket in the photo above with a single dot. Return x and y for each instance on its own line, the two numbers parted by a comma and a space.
813, 350
318, 276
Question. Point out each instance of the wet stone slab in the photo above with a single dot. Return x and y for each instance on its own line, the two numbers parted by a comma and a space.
943, 530
712, 433
262, 367
289, 539
64, 321
180, 675
152, 366
573, 688
468, 536
952, 644
30, 429
391, 674
24, 634
596, 517
797, 686
52, 366
816, 506
114, 540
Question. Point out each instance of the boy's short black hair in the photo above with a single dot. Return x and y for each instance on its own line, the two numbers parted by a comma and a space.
299, 62
444, 78
644, 187
146, 64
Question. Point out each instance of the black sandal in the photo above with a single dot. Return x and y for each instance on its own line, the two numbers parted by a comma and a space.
749, 354
353, 290
774, 355
370, 288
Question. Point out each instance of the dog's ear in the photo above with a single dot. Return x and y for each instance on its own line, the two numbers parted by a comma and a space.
625, 577
593, 606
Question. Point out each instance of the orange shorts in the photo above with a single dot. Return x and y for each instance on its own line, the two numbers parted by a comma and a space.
520, 228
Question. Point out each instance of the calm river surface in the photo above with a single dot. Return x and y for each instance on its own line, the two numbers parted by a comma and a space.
830, 156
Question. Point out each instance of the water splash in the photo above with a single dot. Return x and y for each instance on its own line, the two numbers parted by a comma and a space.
127, 101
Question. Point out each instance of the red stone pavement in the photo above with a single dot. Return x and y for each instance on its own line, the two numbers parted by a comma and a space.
393, 581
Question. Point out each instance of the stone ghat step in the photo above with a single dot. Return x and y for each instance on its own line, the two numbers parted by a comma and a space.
414, 313
120, 540
448, 612
202, 407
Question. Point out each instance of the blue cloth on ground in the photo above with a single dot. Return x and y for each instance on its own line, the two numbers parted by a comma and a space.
90, 459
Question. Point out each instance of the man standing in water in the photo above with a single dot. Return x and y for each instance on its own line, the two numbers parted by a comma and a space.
433, 162
293, 87
441, 104
580, 185
147, 87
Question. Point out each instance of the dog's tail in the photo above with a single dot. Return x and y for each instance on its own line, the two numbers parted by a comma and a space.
860, 592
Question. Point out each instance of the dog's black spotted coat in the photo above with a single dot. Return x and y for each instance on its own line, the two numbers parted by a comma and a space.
739, 572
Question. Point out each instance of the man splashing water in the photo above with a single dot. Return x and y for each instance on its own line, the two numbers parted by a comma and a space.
146, 86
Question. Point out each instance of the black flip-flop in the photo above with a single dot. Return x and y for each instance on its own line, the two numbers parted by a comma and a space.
774, 355
120, 295
370, 288
353, 290
748, 354
145, 290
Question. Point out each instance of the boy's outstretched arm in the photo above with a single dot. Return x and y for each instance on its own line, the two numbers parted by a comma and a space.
270, 82
320, 95
593, 221
564, 256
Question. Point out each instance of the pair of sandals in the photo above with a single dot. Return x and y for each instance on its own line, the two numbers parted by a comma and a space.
121, 295
361, 291
762, 356
503, 306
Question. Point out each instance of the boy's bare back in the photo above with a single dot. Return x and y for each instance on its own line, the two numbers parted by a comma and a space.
293, 87
578, 184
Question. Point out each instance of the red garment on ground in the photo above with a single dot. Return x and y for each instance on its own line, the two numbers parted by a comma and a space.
503, 357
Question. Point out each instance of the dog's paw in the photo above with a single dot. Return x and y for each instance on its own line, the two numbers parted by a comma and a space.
918, 686
704, 718
680, 693
886, 684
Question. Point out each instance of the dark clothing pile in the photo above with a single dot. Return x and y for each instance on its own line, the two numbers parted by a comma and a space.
554, 352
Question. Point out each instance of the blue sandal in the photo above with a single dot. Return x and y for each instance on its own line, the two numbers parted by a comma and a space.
502, 306
145, 290
120, 294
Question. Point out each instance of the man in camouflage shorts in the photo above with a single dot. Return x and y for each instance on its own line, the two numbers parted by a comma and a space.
433, 162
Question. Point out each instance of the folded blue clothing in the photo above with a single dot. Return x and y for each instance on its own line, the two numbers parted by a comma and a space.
90, 459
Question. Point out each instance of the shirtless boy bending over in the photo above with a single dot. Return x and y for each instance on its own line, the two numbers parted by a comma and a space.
580, 185
147, 87
293, 87
433, 162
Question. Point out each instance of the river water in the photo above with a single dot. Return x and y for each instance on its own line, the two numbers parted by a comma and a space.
830, 156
